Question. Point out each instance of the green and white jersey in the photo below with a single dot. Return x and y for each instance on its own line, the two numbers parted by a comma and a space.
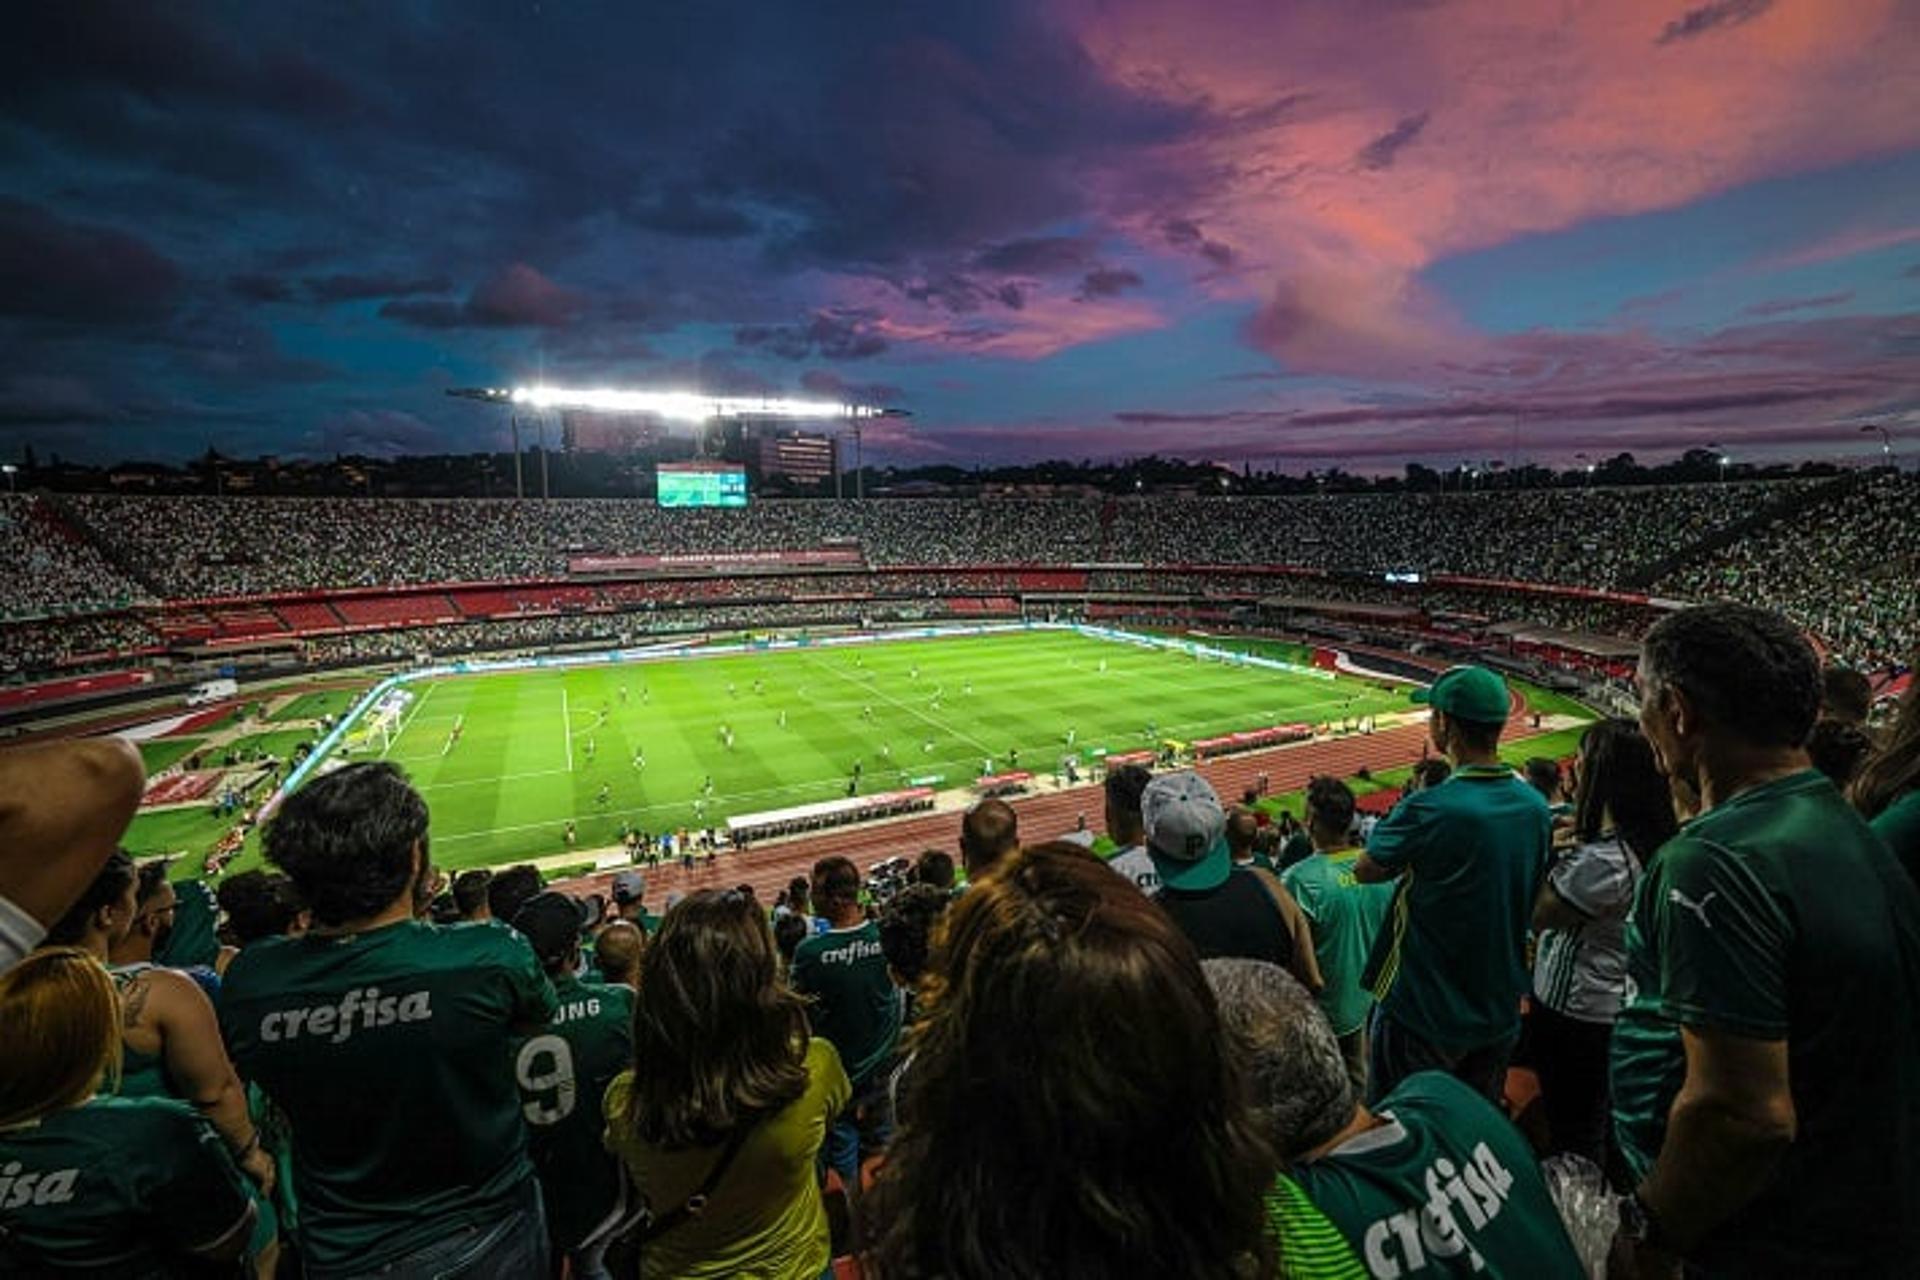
855, 1005
391, 1053
119, 1186
563, 1074
1445, 1187
1311, 1247
1345, 917
1779, 915
196, 916
1450, 963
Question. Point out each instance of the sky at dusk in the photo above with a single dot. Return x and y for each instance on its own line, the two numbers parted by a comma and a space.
1296, 231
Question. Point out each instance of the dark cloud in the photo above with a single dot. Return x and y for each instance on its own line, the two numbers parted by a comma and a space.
72, 271
679, 212
825, 382
1383, 150
517, 297
1712, 16
831, 335
1011, 295
253, 286
1105, 282
349, 287
1038, 256
1184, 233
1781, 306
1912, 272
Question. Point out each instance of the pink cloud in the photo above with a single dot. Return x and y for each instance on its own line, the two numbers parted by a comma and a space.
1432, 130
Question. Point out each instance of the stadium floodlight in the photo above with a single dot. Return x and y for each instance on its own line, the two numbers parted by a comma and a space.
687, 406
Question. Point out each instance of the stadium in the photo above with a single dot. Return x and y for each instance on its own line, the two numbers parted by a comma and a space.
1045, 640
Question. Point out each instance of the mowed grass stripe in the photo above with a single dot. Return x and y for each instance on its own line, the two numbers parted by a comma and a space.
505, 792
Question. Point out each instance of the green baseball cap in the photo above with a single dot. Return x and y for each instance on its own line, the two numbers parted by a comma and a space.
1472, 693
1186, 832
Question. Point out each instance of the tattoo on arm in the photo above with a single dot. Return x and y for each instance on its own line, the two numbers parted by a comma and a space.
133, 1002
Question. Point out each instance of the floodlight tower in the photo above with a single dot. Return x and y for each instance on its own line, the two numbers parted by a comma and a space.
674, 406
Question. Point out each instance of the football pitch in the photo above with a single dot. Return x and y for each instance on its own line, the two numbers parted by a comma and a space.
646, 743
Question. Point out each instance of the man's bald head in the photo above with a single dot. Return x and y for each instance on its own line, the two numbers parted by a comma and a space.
618, 950
988, 833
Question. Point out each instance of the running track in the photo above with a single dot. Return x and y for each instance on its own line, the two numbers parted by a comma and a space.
768, 867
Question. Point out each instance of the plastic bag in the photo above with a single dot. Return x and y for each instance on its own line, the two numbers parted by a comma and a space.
1590, 1210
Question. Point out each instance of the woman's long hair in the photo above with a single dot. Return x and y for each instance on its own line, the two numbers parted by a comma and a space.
1894, 769
1071, 1108
718, 1042
1620, 777
60, 1021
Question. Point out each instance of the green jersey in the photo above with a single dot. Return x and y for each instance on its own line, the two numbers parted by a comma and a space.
855, 1004
1450, 965
1899, 825
391, 1053
563, 1075
1445, 1187
1311, 1247
193, 940
1779, 915
1345, 917
124, 1186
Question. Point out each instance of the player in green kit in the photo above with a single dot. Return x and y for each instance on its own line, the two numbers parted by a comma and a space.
388, 1043
563, 1074
1433, 1181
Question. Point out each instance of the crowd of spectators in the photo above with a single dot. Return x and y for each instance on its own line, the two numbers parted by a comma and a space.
1850, 570
1848, 567
1211, 1055
46, 566
199, 547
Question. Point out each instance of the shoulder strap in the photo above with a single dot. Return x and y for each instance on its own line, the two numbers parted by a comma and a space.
1302, 961
696, 1204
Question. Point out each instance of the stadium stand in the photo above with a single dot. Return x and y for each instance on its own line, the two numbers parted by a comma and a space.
1549, 566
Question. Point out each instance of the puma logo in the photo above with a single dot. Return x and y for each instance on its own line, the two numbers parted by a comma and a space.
1699, 908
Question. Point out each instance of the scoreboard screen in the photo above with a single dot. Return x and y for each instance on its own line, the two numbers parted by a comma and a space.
694, 484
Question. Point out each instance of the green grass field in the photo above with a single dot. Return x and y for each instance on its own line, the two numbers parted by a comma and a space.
537, 747
158, 753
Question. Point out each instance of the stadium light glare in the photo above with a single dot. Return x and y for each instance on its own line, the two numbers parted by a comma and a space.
686, 406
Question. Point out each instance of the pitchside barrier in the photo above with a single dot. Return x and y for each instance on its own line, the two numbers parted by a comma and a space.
669, 651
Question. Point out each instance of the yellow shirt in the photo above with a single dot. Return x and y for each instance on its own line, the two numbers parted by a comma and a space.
765, 1219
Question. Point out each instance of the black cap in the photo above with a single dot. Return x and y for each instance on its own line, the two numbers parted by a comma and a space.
551, 922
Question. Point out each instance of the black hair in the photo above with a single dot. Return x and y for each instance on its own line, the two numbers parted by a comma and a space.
470, 890
509, 890
107, 888
1838, 749
1619, 776
836, 883
934, 867
789, 931
1431, 772
1748, 671
1846, 695
1126, 785
149, 881
1330, 800
258, 904
347, 840
906, 928
1544, 773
